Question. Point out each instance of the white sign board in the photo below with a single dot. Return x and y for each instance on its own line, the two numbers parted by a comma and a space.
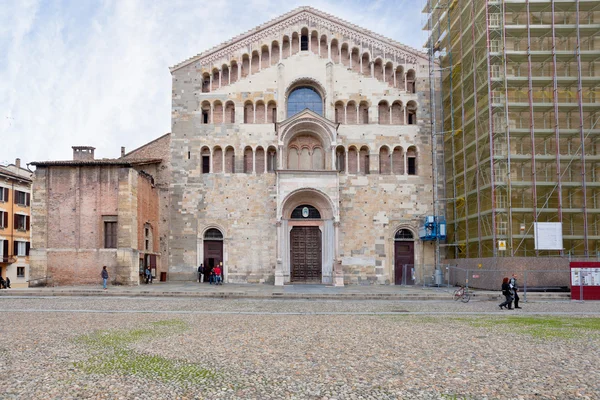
548, 235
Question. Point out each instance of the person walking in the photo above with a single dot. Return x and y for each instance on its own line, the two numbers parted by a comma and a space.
104, 275
506, 291
513, 284
218, 278
148, 275
200, 273
7, 282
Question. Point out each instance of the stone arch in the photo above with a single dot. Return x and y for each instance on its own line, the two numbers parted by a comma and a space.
335, 51
378, 69
204, 154
411, 113
411, 160
259, 113
389, 73
352, 160
285, 47
248, 160
295, 43
355, 59
229, 112
205, 234
340, 159
398, 161
233, 73
205, 109
259, 160
245, 65
304, 39
366, 66
217, 160
313, 197
275, 52
314, 42
255, 63
399, 77
384, 113
323, 47
264, 57
363, 157
229, 160
217, 112
404, 233
224, 75
248, 112
397, 114
215, 79
205, 82
345, 55
385, 163
340, 114
271, 112
363, 112
351, 113
410, 81
271, 159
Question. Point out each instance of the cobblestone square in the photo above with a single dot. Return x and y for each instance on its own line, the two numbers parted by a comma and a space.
181, 348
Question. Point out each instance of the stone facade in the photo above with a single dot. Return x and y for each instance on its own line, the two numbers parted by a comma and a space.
75, 205
242, 160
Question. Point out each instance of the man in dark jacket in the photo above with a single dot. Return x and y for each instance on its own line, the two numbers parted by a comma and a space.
200, 273
513, 285
104, 275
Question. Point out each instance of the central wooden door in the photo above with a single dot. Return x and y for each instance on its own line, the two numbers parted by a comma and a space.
305, 254
404, 262
213, 255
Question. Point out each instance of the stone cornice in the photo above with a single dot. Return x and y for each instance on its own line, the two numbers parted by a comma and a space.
311, 15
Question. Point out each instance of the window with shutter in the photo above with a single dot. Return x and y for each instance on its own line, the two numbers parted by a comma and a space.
110, 234
3, 194
3, 219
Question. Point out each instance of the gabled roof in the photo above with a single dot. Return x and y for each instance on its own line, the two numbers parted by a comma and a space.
333, 23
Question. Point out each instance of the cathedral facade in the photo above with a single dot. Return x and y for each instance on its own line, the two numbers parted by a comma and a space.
301, 153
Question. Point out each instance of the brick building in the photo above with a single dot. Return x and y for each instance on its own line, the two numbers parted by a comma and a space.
15, 223
91, 212
301, 152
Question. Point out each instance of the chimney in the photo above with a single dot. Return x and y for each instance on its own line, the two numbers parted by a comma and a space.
18, 162
122, 151
83, 153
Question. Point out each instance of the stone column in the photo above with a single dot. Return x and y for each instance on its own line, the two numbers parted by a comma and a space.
281, 109
279, 274
329, 111
338, 273
328, 254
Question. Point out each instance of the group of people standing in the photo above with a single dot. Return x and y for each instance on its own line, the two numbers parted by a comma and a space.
509, 290
214, 274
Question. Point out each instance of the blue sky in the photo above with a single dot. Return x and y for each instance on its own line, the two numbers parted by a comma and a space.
83, 72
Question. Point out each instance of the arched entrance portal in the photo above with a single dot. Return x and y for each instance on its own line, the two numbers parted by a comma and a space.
213, 251
306, 245
404, 257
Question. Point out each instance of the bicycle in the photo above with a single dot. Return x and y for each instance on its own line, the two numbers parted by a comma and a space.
463, 294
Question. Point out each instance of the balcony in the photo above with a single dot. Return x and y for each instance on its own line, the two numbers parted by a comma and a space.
8, 259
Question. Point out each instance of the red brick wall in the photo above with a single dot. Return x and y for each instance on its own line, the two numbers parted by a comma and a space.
147, 212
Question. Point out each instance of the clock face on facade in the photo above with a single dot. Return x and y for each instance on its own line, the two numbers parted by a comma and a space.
305, 212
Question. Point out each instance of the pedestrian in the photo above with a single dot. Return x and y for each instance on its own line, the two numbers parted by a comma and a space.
506, 291
2, 283
200, 273
218, 279
7, 282
513, 284
148, 275
104, 275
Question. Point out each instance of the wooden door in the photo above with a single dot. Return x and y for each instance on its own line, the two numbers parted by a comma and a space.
404, 256
305, 254
213, 255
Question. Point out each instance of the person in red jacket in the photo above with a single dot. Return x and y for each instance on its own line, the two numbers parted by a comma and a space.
217, 272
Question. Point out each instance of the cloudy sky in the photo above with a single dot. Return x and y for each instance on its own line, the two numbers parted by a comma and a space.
95, 72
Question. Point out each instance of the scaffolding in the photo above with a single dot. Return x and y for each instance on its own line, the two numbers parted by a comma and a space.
519, 118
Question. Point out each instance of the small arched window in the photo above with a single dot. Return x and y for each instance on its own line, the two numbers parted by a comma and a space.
306, 211
302, 98
213, 234
404, 234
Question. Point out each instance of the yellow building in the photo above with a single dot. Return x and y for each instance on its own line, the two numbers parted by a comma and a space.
15, 225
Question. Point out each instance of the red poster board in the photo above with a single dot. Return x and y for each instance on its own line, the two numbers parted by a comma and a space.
586, 275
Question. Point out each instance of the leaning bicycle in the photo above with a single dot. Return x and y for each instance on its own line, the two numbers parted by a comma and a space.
463, 294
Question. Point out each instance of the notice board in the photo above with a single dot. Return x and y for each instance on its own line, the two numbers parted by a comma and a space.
585, 279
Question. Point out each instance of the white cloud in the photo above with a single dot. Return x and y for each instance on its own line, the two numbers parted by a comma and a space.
84, 73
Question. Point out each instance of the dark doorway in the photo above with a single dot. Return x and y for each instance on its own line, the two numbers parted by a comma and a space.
404, 257
305, 254
213, 251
